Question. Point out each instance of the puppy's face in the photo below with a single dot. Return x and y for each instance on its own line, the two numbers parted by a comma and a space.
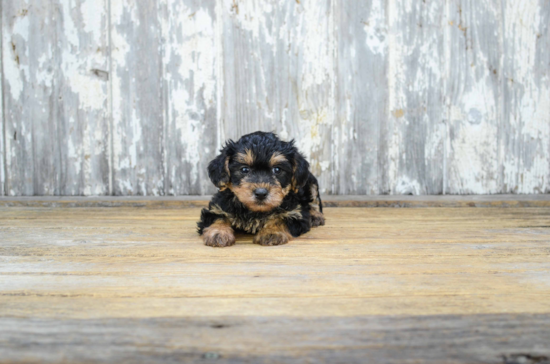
260, 180
260, 170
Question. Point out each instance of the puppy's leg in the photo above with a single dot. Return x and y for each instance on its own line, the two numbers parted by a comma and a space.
220, 234
316, 206
215, 229
275, 232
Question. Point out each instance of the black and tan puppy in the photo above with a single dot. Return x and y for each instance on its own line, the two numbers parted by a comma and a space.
265, 188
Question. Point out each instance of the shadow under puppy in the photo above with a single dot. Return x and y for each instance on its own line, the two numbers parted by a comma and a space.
265, 188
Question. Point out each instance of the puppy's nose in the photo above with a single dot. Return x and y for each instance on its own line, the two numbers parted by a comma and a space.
260, 193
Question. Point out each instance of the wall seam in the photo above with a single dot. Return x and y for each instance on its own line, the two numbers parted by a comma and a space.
447, 100
4, 187
110, 102
333, 97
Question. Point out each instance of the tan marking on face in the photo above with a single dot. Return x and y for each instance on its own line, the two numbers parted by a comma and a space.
245, 194
277, 158
219, 234
246, 158
275, 232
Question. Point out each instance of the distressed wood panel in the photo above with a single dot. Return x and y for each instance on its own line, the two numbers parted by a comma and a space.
138, 119
55, 65
401, 97
474, 157
32, 148
361, 96
2, 134
278, 60
189, 94
526, 96
457, 339
414, 133
447, 285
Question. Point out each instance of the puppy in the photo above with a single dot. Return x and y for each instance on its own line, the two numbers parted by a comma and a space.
265, 188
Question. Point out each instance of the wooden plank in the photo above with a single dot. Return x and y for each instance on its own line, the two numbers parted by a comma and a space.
278, 75
138, 119
86, 263
362, 96
83, 96
190, 94
414, 135
56, 93
526, 97
2, 121
32, 146
539, 200
496, 338
474, 157
376, 285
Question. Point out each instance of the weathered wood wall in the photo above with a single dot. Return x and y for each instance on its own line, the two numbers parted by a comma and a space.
130, 97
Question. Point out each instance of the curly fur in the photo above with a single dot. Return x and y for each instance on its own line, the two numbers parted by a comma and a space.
293, 204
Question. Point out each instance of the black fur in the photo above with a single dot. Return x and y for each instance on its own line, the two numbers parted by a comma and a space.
226, 173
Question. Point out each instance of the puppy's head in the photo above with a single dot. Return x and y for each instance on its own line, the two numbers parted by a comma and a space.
260, 169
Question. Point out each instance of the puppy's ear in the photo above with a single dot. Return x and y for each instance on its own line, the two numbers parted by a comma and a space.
218, 169
301, 170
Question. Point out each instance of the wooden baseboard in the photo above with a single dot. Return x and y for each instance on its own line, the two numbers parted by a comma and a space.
542, 200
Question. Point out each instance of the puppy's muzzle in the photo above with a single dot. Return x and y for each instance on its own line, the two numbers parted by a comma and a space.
261, 193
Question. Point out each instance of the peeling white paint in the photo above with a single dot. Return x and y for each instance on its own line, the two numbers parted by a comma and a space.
16, 69
228, 67
376, 29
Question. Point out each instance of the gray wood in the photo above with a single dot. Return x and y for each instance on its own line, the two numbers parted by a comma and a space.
2, 122
415, 129
362, 97
278, 75
178, 202
189, 82
56, 83
525, 91
497, 338
138, 132
134, 98
474, 159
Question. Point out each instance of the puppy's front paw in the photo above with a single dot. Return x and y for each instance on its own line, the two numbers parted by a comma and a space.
219, 235
317, 219
272, 239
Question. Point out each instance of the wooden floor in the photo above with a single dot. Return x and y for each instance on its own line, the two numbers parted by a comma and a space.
375, 285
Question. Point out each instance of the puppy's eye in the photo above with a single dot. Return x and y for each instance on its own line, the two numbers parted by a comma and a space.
276, 170
245, 170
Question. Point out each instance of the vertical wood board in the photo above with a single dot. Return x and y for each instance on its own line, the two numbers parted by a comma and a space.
189, 83
55, 61
361, 96
526, 97
137, 94
415, 130
474, 157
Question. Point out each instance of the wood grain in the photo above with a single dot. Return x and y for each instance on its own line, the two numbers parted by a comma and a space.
474, 156
56, 93
189, 94
2, 121
373, 339
115, 97
526, 94
360, 133
388, 285
416, 72
137, 94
